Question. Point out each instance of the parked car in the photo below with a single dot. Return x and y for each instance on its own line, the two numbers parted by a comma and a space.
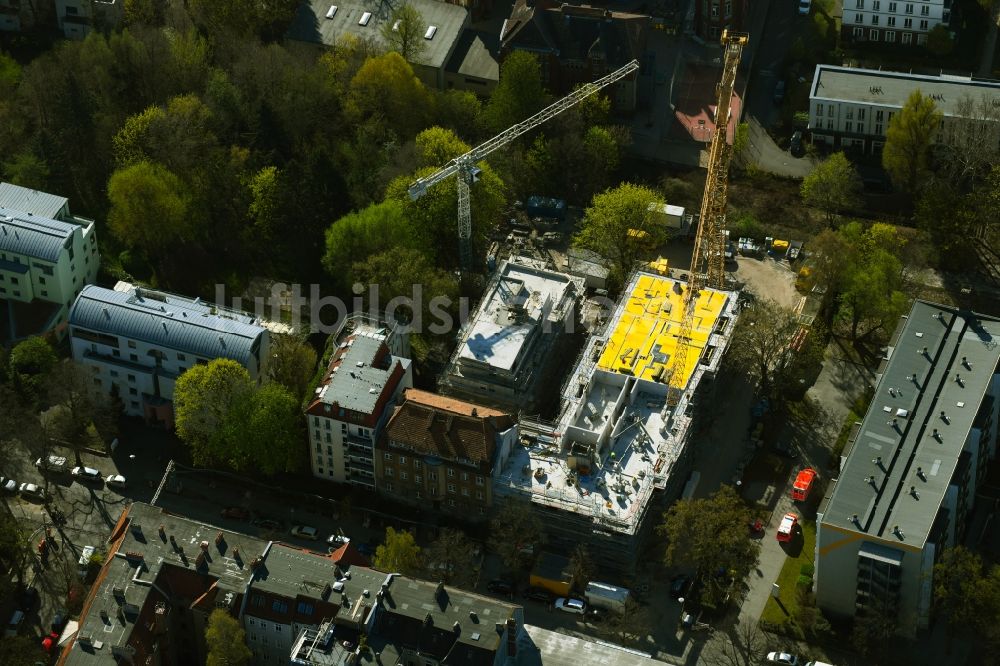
85, 474
59, 621
779, 92
596, 615
804, 7
115, 481
337, 539
236, 513
679, 586
569, 605
8, 486
538, 594
305, 532
782, 658
786, 530
267, 524
14, 624
795, 144
31, 491
499, 587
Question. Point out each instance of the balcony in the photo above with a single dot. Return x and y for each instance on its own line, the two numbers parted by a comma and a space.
358, 462
363, 442
362, 482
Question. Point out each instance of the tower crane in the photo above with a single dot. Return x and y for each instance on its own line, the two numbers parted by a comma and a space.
710, 239
464, 167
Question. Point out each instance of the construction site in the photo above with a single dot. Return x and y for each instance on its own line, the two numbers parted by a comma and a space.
592, 473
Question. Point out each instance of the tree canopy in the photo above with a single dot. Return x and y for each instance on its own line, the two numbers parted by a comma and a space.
834, 186
516, 534
760, 344
404, 33
226, 641
908, 140
519, 93
398, 553
711, 536
451, 559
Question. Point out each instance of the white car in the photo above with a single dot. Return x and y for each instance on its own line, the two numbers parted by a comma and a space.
782, 658
8, 485
570, 605
32, 491
305, 532
337, 540
86, 473
804, 7
115, 481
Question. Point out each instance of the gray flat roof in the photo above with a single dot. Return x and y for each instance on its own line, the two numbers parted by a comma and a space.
167, 320
920, 393
358, 387
34, 236
885, 88
311, 25
541, 646
38, 203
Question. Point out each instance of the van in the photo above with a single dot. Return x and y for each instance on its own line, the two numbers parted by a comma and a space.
15, 624
83, 566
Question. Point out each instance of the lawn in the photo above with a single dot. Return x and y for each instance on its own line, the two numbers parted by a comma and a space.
789, 576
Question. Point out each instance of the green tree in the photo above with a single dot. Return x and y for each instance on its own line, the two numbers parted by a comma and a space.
265, 189
710, 535
292, 363
263, 432
760, 345
31, 361
364, 233
939, 40
149, 208
516, 534
399, 553
404, 33
833, 186
77, 408
451, 559
226, 641
518, 94
386, 88
610, 224
908, 141
15, 553
871, 300
143, 12
27, 170
261, 17
959, 586
204, 397
582, 567
433, 283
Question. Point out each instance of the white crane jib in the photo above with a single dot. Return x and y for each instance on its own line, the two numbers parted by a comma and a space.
464, 166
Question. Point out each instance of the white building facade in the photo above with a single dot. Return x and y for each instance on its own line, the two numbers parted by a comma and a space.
137, 342
77, 18
850, 108
47, 255
893, 22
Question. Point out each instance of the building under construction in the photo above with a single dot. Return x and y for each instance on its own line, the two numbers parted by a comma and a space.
592, 474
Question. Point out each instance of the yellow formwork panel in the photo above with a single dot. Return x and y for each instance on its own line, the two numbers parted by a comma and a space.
646, 332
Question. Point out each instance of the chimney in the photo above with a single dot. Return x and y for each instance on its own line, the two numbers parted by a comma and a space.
511, 637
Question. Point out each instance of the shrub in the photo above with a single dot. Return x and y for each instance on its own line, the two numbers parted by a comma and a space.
807, 569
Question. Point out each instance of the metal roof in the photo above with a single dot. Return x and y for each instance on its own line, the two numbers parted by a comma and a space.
913, 434
311, 25
167, 320
31, 201
33, 235
891, 89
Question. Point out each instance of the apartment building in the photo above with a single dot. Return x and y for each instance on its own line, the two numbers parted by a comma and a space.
850, 108
902, 22
47, 256
909, 479
164, 574
442, 452
507, 346
138, 341
711, 17
78, 18
363, 380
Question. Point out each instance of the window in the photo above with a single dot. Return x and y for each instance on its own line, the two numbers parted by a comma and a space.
907, 38
417, 478
135, 404
859, 18
329, 462
115, 353
907, 23
319, 460
925, 11
417, 464
258, 600
13, 280
479, 480
849, 126
715, 10
328, 439
451, 473
250, 622
819, 110
388, 456
305, 609
402, 460
829, 124
465, 492
878, 115
465, 476
329, 450
878, 126
389, 471
433, 476
41, 280
729, 8
403, 476
923, 24
859, 4
279, 606
319, 448
420, 495
861, 114
479, 494
891, 22
182, 357
134, 358
891, 114
849, 114
131, 344
874, 21
451, 502
328, 424
97, 381
114, 373
876, 6
909, 8
451, 486
388, 486
131, 378
861, 128
892, 7
133, 391
921, 40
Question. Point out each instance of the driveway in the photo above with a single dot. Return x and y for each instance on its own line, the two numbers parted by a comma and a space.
767, 156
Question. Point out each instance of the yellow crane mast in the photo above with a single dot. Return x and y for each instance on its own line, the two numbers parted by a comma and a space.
709, 253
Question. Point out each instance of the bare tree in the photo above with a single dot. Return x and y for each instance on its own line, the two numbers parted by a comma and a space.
744, 645
77, 406
633, 621
761, 344
450, 559
969, 140
404, 32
